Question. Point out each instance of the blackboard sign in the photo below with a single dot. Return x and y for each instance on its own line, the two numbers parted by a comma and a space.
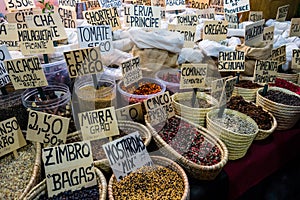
97, 124
236, 6
255, 16
193, 76
188, 32
215, 30
127, 154
145, 16
26, 72
296, 59
279, 55
295, 27
105, 16
68, 167
46, 128
282, 12
131, 71
84, 61
91, 36
4, 55
9, 36
265, 71
231, 61
268, 36
254, 33
159, 108
11, 136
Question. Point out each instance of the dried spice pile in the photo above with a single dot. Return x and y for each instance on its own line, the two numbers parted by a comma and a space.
283, 98
261, 117
287, 85
15, 173
199, 103
149, 183
188, 141
90, 193
247, 84
173, 78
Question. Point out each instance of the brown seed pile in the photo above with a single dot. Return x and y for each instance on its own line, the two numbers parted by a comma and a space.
149, 183
15, 173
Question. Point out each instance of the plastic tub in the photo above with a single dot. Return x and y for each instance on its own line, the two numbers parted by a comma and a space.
171, 78
57, 72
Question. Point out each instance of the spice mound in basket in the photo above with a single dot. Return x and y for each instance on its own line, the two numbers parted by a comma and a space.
247, 84
261, 117
188, 141
199, 103
155, 182
16, 172
283, 98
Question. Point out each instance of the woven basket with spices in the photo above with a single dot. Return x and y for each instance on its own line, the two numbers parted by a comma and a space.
247, 89
164, 180
99, 191
283, 104
199, 152
125, 127
197, 113
19, 175
235, 129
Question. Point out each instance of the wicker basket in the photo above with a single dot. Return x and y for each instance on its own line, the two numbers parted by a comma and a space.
287, 116
197, 171
263, 134
103, 164
237, 144
289, 77
162, 161
195, 115
41, 188
247, 94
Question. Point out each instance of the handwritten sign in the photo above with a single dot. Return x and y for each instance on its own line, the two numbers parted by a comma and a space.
279, 55
48, 20
91, 36
296, 59
268, 35
19, 17
199, 4
208, 13
159, 108
36, 41
93, 4
218, 5
227, 90
83, 61
145, 16
131, 71
193, 76
68, 17
11, 136
46, 128
295, 27
12, 5
9, 36
265, 71
215, 30
231, 61
125, 160
255, 16
175, 5
4, 55
98, 124
110, 3
105, 16
188, 20
232, 19
254, 33
236, 6
131, 112
217, 88
26, 72
282, 12
161, 3
68, 167
188, 32
69, 5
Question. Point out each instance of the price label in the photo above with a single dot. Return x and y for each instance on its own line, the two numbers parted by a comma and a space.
46, 128
193, 76
131, 71
231, 61
296, 59
12, 5
282, 12
265, 71
188, 32
132, 112
11, 136
124, 160
4, 54
215, 30
279, 55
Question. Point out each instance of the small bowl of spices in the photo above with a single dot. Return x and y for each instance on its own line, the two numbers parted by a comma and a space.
164, 180
283, 104
139, 91
235, 129
265, 120
246, 89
